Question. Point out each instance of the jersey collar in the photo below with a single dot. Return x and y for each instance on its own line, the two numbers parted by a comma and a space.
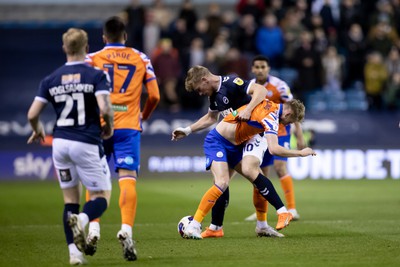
115, 45
74, 63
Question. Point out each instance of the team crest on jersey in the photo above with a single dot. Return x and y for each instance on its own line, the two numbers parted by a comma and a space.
71, 78
225, 100
238, 81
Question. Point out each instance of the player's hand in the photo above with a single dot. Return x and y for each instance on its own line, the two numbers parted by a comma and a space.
37, 136
307, 152
106, 132
243, 115
180, 133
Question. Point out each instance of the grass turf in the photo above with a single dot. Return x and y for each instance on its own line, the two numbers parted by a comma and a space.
343, 223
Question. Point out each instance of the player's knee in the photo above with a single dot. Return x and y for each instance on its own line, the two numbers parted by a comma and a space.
104, 194
250, 171
222, 183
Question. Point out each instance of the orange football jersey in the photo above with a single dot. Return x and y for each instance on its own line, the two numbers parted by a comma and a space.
264, 118
129, 70
279, 92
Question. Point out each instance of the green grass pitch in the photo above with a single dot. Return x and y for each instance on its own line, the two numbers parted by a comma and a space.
343, 223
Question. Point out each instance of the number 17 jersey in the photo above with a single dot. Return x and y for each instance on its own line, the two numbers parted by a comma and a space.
129, 70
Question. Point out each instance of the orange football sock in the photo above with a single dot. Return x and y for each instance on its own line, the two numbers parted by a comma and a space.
261, 205
288, 190
87, 199
207, 202
127, 199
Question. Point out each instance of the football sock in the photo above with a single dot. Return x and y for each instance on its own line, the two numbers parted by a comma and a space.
207, 202
94, 208
73, 249
260, 204
69, 208
262, 224
94, 226
127, 228
127, 199
87, 199
214, 227
281, 210
267, 190
288, 189
218, 211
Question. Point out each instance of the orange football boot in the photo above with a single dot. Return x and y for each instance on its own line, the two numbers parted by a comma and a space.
212, 233
283, 220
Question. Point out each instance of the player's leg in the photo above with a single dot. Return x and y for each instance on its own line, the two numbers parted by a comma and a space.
267, 190
127, 161
92, 169
93, 236
286, 180
217, 214
220, 171
256, 155
218, 152
69, 183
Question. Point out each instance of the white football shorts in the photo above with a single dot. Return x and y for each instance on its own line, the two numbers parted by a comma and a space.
76, 161
256, 146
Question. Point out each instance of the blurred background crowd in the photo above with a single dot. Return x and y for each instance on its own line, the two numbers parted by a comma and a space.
336, 55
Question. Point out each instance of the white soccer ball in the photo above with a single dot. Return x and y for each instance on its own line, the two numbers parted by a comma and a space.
183, 223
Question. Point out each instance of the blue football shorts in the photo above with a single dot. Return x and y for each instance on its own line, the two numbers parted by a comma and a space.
217, 148
124, 146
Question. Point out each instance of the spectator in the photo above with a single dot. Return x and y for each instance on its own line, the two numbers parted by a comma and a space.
244, 36
292, 29
135, 18
392, 92
308, 64
151, 33
393, 61
202, 32
332, 64
321, 43
214, 20
271, 34
253, 7
235, 63
356, 50
162, 15
188, 14
167, 66
376, 75
382, 36
350, 13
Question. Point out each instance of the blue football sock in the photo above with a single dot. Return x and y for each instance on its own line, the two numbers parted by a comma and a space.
69, 208
267, 190
95, 208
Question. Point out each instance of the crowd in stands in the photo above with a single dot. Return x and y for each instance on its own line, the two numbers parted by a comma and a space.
330, 49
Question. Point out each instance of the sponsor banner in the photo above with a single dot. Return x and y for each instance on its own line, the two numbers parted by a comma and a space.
329, 164
344, 130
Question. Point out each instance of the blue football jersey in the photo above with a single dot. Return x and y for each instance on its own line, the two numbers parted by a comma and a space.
72, 89
231, 95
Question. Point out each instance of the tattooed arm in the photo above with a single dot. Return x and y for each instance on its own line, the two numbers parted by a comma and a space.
104, 102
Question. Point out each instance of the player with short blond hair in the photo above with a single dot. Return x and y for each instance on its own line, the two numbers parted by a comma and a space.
79, 95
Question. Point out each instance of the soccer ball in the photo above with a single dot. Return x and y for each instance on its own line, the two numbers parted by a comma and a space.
183, 223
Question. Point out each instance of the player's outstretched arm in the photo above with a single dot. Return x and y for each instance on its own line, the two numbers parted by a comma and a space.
275, 149
204, 122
